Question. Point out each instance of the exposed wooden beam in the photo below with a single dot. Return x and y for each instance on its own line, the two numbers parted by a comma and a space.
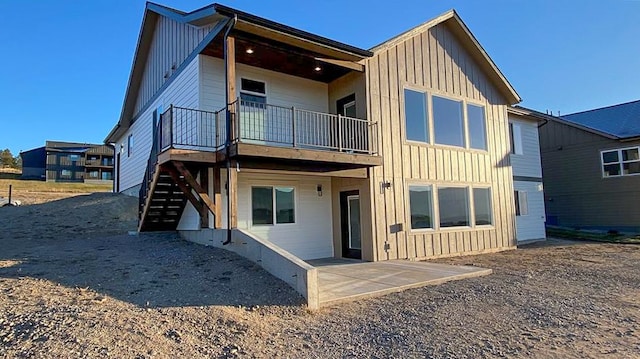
232, 187
346, 64
230, 58
246, 149
185, 189
204, 183
202, 193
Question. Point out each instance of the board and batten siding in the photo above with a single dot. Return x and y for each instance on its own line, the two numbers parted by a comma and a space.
282, 89
182, 92
435, 61
172, 43
576, 193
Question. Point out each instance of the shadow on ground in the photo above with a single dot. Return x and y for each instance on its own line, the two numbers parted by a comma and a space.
52, 242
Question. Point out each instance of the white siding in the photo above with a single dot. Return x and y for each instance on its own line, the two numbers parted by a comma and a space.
282, 89
183, 91
531, 226
528, 163
172, 43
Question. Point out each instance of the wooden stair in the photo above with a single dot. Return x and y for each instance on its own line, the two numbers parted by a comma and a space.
162, 208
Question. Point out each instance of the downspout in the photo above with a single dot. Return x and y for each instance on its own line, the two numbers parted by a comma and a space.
233, 22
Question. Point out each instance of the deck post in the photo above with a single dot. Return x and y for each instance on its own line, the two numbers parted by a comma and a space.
217, 198
171, 126
339, 133
293, 124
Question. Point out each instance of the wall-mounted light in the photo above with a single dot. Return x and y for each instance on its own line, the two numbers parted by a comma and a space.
249, 51
317, 69
384, 185
319, 190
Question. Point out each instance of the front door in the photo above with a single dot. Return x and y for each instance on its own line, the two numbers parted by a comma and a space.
351, 233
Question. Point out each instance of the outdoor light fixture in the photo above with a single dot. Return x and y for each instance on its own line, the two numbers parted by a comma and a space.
249, 51
384, 185
318, 69
319, 189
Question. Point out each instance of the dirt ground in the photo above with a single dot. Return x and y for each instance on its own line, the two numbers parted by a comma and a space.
74, 284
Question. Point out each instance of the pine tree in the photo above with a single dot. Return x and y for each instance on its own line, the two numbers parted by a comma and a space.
6, 159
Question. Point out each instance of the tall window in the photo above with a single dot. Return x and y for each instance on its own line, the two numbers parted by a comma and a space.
522, 203
421, 207
130, 145
477, 130
482, 206
453, 204
448, 123
621, 162
515, 136
415, 111
265, 199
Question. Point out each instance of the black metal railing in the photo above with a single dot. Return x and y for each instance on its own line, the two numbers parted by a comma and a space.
151, 168
191, 128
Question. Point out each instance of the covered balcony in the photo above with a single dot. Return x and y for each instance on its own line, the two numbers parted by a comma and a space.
268, 135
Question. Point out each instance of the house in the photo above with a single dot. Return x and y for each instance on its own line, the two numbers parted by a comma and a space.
69, 162
527, 172
591, 163
236, 129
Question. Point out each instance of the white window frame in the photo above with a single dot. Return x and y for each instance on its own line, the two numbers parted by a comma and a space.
435, 219
473, 207
429, 93
620, 161
273, 204
515, 135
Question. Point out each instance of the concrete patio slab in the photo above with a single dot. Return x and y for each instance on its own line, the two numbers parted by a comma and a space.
347, 280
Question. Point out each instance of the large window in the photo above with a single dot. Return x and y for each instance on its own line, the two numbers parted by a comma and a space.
265, 199
477, 131
621, 162
421, 207
415, 111
453, 204
448, 123
482, 206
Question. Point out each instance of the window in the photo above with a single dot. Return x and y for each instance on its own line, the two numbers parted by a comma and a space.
265, 199
522, 203
477, 131
622, 162
130, 145
515, 135
415, 113
421, 207
252, 86
74, 158
448, 126
482, 206
65, 174
453, 204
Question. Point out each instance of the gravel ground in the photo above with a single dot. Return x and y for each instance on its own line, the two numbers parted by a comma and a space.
72, 284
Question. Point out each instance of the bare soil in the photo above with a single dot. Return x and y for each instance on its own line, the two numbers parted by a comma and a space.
74, 284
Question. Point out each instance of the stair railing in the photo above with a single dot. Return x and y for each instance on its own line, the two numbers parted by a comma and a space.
151, 164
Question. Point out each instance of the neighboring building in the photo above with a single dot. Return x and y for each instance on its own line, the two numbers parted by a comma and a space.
527, 173
400, 151
69, 162
591, 165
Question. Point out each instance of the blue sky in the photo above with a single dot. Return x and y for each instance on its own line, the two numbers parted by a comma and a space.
64, 64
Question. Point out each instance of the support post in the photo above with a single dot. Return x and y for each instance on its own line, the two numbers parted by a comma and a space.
232, 187
217, 198
204, 183
10, 187
231, 84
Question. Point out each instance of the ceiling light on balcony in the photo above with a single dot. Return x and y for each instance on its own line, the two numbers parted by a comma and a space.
249, 51
318, 68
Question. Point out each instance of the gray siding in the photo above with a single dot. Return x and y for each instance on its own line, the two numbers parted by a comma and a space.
435, 61
576, 194
172, 43
527, 164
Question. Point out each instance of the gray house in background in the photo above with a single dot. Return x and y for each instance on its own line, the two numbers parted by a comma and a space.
591, 166
69, 162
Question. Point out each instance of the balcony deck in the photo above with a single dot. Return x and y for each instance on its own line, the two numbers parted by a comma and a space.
267, 136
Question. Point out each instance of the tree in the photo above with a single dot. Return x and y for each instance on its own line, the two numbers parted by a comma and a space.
6, 159
17, 160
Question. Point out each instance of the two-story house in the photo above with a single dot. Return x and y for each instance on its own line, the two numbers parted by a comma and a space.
234, 123
591, 164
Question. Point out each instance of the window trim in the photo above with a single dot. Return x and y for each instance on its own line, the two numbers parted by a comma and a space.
429, 93
435, 219
620, 161
518, 203
491, 206
252, 93
130, 145
273, 187
469, 205
517, 147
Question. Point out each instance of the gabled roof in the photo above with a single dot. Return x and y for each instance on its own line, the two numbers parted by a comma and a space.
471, 44
620, 121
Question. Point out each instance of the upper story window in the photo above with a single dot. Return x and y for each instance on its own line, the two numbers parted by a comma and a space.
448, 122
253, 91
515, 137
130, 145
621, 162
455, 122
415, 111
